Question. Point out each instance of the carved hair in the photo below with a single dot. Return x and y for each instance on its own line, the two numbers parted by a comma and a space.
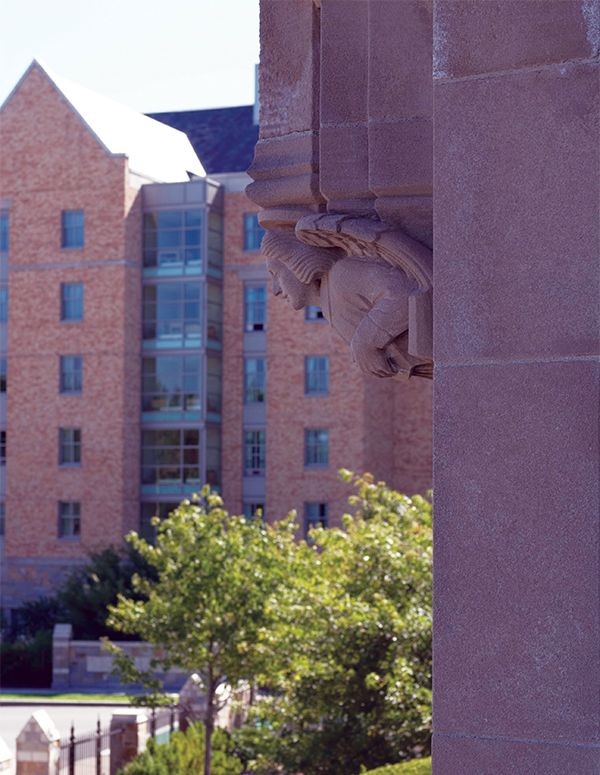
307, 262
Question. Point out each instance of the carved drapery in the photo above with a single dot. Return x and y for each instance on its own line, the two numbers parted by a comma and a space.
344, 155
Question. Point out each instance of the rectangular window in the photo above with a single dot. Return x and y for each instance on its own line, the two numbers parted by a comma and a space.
316, 374
315, 515
254, 380
313, 313
253, 510
214, 384
69, 446
71, 301
214, 313
171, 456
69, 519
173, 239
72, 223
2, 448
3, 232
254, 453
172, 311
171, 383
316, 447
3, 304
2, 375
147, 514
253, 232
71, 373
255, 308
213, 455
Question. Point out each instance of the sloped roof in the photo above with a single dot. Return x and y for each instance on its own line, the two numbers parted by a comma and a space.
224, 138
154, 150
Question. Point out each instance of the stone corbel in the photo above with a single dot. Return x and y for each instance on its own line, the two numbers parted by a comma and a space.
369, 238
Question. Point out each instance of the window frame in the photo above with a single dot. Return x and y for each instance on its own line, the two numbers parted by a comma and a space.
69, 512
313, 448
67, 374
72, 235
253, 232
71, 309
255, 310
321, 519
316, 379
255, 451
255, 393
69, 447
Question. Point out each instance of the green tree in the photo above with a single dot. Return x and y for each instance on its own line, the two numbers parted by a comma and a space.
353, 642
207, 609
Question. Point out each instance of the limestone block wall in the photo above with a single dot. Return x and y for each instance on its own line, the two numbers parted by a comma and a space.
517, 333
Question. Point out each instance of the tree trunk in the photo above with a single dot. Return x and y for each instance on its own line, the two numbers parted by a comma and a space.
209, 725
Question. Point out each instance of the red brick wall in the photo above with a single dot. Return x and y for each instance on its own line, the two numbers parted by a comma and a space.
50, 161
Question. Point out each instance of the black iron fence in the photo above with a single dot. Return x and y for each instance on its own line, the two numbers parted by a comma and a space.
89, 754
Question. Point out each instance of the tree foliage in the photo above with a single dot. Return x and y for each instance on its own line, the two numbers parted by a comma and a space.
353, 643
207, 609
184, 754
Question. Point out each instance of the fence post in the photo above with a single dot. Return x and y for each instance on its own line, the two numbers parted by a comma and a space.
98, 748
153, 722
5, 757
72, 750
38, 746
128, 736
171, 720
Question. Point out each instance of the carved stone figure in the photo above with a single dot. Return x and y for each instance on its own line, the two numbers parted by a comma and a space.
371, 283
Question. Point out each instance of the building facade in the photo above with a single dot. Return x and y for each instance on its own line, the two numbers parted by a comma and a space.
145, 357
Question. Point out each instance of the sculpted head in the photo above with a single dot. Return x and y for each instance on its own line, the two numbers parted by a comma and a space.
296, 269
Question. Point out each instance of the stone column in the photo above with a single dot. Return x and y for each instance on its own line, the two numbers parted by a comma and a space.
516, 345
38, 746
61, 655
129, 734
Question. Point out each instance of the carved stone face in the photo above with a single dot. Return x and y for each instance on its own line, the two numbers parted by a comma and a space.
286, 284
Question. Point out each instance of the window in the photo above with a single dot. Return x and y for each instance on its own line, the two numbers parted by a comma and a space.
173, 239
2, 448
214, 313
214, 384
254, 380
253, 510
254, 453
315, 515
255, 308
213, 455
171, 383
2, 518
71, 301
313, 313
69, 519
316, 447
3, 304
171, 456
72, 229
253, 232
69, 446
71, 374
172, 311
147, 514
3, 232
316, 374
2, 375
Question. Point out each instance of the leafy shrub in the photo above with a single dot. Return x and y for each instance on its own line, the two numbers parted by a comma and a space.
27, 663
414, 767
184, 754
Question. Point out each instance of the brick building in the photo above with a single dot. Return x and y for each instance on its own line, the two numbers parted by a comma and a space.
144, 354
